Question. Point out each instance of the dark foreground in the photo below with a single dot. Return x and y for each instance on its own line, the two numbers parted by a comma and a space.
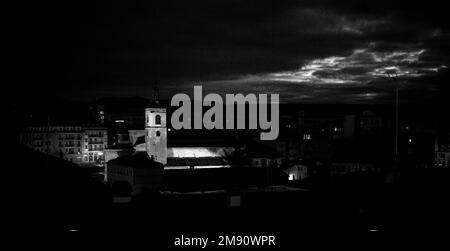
66, 201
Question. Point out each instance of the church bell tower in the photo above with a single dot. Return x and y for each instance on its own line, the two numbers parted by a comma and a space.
156, 134
156, 129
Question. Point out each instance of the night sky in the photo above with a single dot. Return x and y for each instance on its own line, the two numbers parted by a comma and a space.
307, 51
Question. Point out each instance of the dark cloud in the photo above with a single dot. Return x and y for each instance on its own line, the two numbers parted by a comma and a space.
93, 49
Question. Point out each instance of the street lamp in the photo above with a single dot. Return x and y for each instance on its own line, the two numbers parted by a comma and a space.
393, 77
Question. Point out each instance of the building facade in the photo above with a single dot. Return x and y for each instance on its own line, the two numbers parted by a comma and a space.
77, 144
95, 142
442, 155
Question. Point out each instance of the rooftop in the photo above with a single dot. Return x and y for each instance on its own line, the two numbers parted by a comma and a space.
136, 159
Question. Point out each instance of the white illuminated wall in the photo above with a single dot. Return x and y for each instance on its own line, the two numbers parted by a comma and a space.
189, 152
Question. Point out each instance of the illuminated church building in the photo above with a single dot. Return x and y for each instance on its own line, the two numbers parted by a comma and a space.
177, 154
184, 149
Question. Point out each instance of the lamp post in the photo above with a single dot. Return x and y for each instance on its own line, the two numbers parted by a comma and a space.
393, 76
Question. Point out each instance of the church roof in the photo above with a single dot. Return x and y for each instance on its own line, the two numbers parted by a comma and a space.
203, 138
136, 159
198, 138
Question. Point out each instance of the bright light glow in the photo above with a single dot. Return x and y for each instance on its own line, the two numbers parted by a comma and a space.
119, 121
192, 152
291, 176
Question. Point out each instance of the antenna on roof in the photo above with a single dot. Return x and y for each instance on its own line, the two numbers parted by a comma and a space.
155, 98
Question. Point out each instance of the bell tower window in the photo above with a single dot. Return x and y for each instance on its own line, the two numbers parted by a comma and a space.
158, 119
